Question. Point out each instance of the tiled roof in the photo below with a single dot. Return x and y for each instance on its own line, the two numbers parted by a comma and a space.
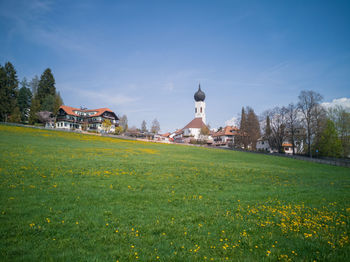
179, 131
227, 131
195, 123
287, 144
70, 110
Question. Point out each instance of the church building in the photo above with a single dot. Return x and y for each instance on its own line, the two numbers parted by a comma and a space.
193, 128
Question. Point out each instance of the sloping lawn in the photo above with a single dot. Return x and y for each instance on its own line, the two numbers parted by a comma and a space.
72, 197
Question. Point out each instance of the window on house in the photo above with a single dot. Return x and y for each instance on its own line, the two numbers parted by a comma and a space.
195, 110
201, 110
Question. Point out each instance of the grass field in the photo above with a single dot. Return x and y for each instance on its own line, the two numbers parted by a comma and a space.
72, 197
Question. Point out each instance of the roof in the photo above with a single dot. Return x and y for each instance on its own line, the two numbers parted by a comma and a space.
69, 110
199, 95
99, 111
227, 131
287, 144
179, 131
195, 123
166, 134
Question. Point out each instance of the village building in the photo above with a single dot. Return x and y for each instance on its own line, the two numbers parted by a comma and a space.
193, 129
287, 145
71, 118
287, 148
226, 136
166, 138
263, 145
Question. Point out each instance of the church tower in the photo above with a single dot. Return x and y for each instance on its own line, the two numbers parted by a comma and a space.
199, 104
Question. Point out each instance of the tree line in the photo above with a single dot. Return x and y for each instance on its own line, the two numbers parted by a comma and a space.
123, 126
20, 102
308, 126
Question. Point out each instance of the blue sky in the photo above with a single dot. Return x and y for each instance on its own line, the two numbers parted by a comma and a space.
146, 58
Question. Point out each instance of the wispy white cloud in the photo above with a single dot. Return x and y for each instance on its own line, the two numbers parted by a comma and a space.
169, 86
232, 122
106, 97
344, 102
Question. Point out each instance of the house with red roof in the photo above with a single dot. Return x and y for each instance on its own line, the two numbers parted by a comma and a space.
72, 118
225, 136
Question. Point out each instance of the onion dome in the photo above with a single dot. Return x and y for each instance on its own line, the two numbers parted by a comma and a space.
199, 95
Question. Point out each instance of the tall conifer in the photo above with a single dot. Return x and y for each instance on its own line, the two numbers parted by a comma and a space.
8, 90
46, 86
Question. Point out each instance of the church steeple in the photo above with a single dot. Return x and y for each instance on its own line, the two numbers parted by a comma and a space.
199, 95
199, 104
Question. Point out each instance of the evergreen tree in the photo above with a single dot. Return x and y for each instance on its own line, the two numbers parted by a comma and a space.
242, 140
8, 90
57, 103
34, 109
330, 144
15, 116
48, 103
24, 100
341, 119
46, 88
3, 95
252, 128
267, 128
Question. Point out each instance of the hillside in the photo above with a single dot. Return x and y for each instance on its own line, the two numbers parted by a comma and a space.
74, 197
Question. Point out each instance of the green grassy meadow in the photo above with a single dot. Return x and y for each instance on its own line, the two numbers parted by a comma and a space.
73, 197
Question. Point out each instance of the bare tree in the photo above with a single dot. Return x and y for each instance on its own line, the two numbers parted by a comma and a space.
318, 125
123, 122
308, 100
292, 122
45, 116
155, 127
143, 126
278, 122
204, 131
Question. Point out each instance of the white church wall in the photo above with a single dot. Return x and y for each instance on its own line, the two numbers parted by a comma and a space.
195, 132
200, 110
